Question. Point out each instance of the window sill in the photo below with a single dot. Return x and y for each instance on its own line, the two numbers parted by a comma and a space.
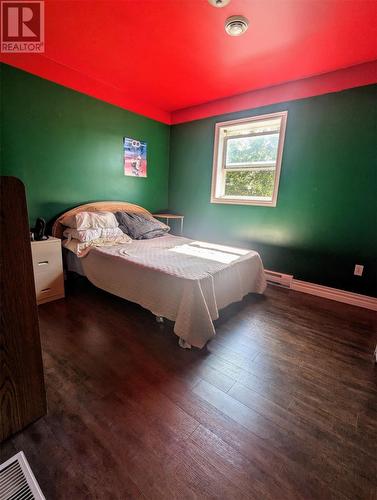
243, 201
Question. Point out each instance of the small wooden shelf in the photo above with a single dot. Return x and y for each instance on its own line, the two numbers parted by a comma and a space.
168, 216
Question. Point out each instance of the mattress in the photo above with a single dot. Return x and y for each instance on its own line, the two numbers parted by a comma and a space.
183, 280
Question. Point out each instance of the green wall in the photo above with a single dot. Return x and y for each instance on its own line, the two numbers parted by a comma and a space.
325, 219
67, 147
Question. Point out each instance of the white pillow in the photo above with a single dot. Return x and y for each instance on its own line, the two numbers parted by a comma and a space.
82, 248
92, 234
90, 220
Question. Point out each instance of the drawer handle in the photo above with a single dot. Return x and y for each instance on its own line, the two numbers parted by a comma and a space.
43, 263
45, 290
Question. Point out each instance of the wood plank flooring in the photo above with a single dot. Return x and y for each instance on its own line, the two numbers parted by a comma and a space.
281, 405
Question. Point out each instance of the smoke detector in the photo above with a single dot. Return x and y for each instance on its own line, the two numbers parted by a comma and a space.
236, 25
218, 3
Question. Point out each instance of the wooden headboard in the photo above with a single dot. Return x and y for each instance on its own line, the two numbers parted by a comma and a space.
98, 206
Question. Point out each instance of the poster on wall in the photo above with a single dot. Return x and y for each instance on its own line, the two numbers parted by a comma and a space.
134, 157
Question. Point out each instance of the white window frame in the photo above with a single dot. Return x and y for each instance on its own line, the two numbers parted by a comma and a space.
218, 169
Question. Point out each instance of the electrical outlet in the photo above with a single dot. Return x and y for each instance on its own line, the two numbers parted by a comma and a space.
359, 269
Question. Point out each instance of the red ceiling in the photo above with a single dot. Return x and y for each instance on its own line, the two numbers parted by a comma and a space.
158, 56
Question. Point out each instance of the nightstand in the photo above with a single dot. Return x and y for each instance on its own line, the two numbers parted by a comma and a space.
167, 217
48, 269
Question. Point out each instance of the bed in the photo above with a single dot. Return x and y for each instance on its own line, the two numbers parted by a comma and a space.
183, 280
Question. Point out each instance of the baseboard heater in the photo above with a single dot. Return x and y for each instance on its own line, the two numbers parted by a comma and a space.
17, 481
278, 278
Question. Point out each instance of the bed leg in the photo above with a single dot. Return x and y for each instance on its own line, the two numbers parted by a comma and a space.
182, 343
159, 319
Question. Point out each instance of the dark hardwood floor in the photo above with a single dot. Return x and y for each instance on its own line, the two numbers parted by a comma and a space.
282, 404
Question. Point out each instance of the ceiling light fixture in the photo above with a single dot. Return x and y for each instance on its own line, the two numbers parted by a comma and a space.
218, 3
236, 25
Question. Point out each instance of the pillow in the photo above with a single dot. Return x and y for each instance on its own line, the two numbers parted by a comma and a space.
141, 226
92, 234
88, 220
82, 248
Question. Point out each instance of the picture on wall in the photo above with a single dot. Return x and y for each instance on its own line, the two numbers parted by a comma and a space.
135, 157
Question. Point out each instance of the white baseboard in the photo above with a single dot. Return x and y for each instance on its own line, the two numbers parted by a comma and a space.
354, 299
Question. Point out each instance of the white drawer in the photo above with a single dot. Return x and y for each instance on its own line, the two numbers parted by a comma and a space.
47, 266
48, 284
45, 256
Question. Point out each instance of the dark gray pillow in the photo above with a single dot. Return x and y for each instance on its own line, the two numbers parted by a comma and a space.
140, 226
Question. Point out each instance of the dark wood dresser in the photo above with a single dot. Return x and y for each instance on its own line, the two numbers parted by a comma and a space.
22, 389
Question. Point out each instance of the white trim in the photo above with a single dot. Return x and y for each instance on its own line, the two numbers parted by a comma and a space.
278, 278
249, 169
252, 118
354, 299
217, 166
327, 292
240, 201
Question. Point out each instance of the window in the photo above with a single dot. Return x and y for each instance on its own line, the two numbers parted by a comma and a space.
247, 160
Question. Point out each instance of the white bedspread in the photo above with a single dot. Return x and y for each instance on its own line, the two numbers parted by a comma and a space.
183, 280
